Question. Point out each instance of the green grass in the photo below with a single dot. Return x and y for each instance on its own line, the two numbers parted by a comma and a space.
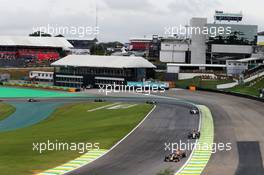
6, 110
70, 123
206, 84
245, 89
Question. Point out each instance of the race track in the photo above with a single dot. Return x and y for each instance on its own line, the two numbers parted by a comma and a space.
237, 120
143, 152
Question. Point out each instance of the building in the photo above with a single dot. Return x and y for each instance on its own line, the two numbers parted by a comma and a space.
140, 44
154, 48
237, 44
210, 45
174, 50
91, 71
19, 51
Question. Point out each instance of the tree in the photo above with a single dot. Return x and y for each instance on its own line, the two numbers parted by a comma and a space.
60, 35
97, 49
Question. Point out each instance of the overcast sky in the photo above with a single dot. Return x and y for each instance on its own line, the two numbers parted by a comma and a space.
118, 20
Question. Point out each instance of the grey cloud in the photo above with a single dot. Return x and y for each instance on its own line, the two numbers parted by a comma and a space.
134, 5
118, 19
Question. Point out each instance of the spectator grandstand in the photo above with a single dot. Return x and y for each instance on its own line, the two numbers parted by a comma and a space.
17, 51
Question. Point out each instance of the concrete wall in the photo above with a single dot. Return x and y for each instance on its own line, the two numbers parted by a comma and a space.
172, 57
173, 69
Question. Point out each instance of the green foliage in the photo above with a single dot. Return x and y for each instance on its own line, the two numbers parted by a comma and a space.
97, 49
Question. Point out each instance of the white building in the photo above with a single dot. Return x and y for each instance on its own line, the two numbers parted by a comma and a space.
210, 46
174, 50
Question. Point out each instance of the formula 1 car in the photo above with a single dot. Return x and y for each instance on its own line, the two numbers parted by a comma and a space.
99, 100
31, 100
175, 157
194, 135
151, 102
194, 111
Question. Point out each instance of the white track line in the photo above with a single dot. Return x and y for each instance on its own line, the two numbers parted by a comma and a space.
102, 107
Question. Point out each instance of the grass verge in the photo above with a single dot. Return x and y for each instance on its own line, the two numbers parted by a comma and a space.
198, 82
6, 110
249, 90
68, 124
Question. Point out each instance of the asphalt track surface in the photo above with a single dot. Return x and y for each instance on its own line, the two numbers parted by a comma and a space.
237, 120
143, 152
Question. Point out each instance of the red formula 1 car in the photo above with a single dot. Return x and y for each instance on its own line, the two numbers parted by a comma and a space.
175, 157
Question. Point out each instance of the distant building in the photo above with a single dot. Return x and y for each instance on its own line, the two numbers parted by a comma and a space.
210, 46
174, 50
92, 71
155, 47
140, 44
236, 45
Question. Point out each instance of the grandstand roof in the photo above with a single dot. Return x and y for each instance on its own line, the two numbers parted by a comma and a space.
34, 41
103, 61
